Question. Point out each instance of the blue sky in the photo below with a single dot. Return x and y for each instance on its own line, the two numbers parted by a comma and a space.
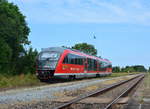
121, 27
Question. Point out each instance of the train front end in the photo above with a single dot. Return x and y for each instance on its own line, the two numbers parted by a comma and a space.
47, 61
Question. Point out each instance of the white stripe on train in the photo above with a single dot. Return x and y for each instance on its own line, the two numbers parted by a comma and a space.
80, 75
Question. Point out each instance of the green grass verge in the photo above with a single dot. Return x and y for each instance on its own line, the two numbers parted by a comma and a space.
18, 80
7, 81
147, 81
123, 74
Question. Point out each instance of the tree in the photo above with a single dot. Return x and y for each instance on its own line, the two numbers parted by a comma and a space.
13, 32
135, 68
129, 69
116, 69
139, 68
86, 48
5, 56
27, 62
149, 69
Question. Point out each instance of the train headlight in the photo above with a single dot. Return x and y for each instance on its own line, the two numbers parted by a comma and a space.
37, 74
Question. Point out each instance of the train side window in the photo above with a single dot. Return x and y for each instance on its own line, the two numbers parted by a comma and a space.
109, 66
76, 60
98, 65
90, 66
73, 59
95, 65
102, 66
65, 59
80, 60
92, 63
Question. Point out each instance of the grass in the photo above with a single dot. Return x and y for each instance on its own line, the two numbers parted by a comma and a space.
147, 81
144, 89
18, 80
31, 80
123, 74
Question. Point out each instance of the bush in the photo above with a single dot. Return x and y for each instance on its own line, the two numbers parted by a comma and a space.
18, 80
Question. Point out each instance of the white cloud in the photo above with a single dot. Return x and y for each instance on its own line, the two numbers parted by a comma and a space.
85, 11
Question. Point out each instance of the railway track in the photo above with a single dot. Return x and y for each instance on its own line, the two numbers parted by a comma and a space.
111, 94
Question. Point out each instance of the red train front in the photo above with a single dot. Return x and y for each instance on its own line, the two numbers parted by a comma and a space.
68, 63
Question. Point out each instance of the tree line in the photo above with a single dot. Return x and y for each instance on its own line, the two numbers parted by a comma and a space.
130, 69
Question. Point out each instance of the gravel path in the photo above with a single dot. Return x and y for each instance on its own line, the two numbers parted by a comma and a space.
44, 92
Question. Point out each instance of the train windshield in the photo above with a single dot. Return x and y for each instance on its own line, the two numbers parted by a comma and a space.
49, 55
48, 60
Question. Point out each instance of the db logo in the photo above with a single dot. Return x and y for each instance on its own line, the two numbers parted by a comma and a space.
64, 67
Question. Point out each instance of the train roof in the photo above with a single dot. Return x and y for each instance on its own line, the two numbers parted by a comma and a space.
61, 50
58, 49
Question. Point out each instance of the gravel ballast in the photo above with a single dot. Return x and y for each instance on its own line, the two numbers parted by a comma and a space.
47, 92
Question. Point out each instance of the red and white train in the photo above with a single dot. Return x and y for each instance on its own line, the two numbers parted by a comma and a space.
68, 63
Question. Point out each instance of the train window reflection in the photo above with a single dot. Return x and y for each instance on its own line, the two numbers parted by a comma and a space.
73, 59
49, 55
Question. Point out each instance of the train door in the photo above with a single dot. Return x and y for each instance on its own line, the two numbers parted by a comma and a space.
85, 67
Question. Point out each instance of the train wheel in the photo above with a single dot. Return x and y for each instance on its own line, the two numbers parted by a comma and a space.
97, 75
43, 80
72, 77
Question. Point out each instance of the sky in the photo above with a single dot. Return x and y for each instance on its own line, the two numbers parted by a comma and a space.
121, 27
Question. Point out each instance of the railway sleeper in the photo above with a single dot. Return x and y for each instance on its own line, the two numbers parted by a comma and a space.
93, 103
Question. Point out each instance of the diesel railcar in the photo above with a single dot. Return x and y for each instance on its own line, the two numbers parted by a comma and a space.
68, 63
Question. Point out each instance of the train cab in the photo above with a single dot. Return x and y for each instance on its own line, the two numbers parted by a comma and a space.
47, 61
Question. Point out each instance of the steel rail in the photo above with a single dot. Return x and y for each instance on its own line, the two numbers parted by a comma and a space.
124, 92
99, 91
